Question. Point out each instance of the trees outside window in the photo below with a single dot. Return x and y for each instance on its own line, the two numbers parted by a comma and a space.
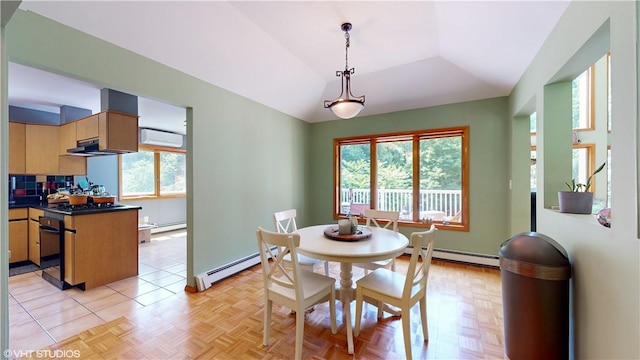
153, 172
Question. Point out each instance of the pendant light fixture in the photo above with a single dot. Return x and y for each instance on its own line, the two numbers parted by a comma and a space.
346, 105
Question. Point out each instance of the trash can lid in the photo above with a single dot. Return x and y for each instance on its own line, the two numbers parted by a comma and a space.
534, 248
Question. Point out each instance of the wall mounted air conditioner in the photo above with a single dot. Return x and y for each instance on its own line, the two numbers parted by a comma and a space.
160, 138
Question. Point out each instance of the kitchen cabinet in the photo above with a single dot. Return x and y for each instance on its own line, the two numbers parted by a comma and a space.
17, 147
100, 248
87, 128
18, 235
115, 131
42, 149
72, 165
69, 164
118, 132
67, 137
71, 276
34, 235
46, 147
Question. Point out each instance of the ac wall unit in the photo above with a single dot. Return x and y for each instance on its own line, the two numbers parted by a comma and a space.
160, 138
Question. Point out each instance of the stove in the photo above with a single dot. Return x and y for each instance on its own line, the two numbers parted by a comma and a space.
85, 208
88, 206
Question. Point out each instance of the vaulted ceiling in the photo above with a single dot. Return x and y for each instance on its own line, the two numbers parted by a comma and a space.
285, 54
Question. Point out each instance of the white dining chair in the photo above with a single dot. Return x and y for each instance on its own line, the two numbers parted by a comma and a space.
399, 290
290, 286
385, 220
285, 222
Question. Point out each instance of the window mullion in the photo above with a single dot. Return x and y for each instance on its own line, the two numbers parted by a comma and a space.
374, 174
156, 171
416, 178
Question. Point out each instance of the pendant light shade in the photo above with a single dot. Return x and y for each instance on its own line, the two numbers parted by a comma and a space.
346, 105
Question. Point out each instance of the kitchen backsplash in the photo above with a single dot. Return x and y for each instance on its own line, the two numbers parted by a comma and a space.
33, 185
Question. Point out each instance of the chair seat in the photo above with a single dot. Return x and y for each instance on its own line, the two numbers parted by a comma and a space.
302, 260
386, 282
381, 264
312, 283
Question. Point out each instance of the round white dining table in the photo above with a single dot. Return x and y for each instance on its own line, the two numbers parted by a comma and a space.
383, 244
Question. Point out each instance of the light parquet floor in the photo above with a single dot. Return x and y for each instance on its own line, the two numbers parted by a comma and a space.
225, 322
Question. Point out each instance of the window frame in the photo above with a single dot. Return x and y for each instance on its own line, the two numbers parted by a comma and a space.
591, 161
415, 136
590, 98
156, 150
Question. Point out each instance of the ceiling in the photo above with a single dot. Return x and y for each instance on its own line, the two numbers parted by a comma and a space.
285, 54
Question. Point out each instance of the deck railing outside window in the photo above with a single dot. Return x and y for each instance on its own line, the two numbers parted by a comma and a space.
447, 201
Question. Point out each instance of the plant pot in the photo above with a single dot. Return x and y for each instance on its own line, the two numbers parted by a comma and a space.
575, 202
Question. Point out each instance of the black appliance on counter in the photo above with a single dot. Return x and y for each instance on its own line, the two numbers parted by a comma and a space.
52, 251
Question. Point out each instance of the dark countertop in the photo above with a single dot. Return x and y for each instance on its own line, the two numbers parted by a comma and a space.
120, 207
53, 208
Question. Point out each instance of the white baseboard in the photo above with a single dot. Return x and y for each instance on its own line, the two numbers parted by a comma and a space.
471, 258
164, 228
206, 279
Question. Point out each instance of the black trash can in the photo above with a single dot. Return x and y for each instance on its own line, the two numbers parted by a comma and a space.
535, 272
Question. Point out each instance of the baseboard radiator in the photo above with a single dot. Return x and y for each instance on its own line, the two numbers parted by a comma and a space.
465, 257
206, 279
168, 227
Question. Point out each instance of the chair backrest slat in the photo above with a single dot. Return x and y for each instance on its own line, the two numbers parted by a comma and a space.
389, 218
275, 272
285, 221
418, 272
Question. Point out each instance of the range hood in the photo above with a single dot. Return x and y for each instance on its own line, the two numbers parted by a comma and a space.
88, 148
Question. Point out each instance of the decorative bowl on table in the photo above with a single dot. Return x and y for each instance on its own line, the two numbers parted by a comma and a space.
604, 217
333, 233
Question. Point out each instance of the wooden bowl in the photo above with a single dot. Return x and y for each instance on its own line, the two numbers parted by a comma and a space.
77, 199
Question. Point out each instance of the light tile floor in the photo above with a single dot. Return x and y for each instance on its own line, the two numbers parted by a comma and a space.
41, 314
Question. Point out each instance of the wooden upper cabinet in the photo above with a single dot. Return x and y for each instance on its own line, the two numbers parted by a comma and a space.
17, 146
70, 164
42, 149
68, 137
87, 128
118, 132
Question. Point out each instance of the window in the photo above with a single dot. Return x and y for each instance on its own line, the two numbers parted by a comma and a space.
533, 176
582, 162
153, 172
423, 175
582, 104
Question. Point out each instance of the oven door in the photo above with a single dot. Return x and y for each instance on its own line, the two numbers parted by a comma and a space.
51, 246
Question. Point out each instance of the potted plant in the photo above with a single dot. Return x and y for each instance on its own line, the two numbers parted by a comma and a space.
578, 200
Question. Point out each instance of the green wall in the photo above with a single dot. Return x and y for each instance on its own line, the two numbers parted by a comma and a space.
605, 284
244, 160
488, 167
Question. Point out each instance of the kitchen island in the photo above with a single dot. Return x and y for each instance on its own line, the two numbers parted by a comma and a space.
100, 243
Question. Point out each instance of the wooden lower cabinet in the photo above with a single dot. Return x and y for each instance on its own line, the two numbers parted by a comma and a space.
103, 249
18, 235
34, 235
70, 275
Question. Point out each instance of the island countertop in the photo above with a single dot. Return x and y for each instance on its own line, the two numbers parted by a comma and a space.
80, 210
